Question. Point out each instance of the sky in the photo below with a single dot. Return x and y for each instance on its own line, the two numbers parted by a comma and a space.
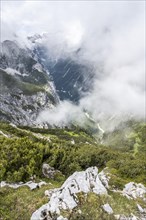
112, 37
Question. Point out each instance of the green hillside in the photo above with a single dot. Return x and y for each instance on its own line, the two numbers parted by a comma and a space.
23, 150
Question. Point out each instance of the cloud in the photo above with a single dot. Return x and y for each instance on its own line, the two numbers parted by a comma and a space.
112, 37
65, 113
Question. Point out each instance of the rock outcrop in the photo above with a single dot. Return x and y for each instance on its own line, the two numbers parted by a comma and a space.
66, 197
134, 190
49, 171
26, 87
32, 185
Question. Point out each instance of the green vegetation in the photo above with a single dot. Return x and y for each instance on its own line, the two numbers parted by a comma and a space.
21, 203
23, 150
21, 158
88, 208
30, 89
91, 207
129, 136
9, 82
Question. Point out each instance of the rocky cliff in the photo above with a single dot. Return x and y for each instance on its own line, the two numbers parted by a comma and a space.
26, 88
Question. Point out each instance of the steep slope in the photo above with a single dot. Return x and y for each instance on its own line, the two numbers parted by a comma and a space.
71, 78
26, 88
25, 150
71, 201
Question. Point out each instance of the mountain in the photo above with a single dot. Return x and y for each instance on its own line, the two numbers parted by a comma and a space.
32, 81
51, 173
71, 78
26, 88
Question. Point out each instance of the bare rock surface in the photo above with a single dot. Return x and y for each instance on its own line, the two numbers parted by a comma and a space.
134, 190
32, 185
66, 197
107, 208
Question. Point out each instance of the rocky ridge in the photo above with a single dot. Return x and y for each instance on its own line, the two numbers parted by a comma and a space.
71, 78
26, 88
66, 197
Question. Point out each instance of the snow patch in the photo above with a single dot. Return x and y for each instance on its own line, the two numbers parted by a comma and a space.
12, 72
100, 128
38, 67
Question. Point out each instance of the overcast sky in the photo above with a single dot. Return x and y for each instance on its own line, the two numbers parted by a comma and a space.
111, 34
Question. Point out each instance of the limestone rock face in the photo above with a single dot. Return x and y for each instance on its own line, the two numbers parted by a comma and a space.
134, 190
26, 87
104, 178
66, 196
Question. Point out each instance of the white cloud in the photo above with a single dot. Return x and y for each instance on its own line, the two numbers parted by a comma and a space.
112, 37
64, 113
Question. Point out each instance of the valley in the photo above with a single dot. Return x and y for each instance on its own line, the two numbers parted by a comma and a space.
72, 110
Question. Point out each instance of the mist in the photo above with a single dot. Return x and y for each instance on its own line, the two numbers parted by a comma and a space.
111, 36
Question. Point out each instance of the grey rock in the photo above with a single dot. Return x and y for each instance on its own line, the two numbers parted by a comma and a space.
131, 217
49, 171
134, 190
107, 208
141, 210
26, 88
61, 218
117, 217
104, 177
50, 192
32, 185
66, 197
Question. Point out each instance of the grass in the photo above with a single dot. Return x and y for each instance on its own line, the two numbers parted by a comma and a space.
71, 133
90, 207
61, 154
19, 204
120, 204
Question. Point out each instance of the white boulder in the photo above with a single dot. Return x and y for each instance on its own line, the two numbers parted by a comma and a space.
49, 171
66, 196
107, 208
134, 190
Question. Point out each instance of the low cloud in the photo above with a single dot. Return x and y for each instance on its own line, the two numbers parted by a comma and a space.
65, 113
111, 36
